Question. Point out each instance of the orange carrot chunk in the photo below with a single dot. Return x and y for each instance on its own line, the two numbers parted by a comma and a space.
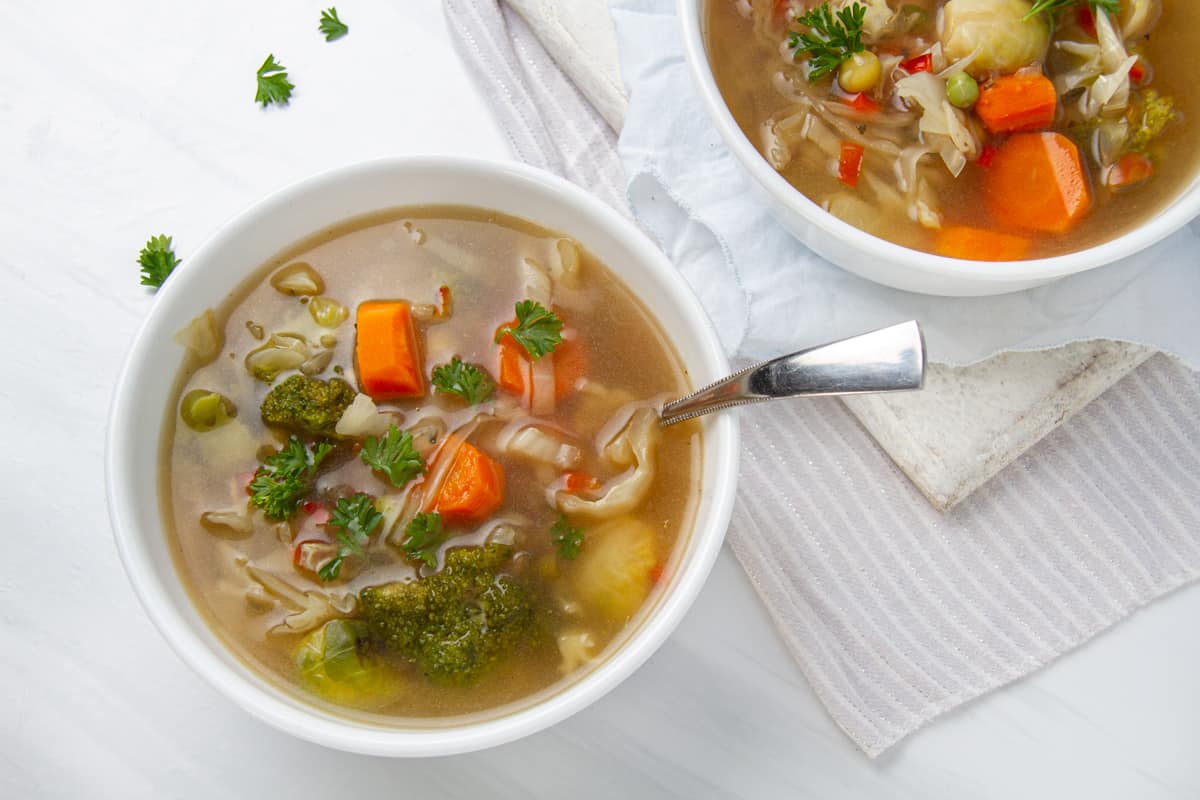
386, 351
1037, 183
979, 244
850, 163
1130, 169
513, 365
570, 364
473, 489
1023, 102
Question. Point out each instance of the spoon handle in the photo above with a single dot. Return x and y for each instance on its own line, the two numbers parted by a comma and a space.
887, 360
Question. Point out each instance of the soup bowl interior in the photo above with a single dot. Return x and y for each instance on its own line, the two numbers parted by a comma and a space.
145, 389
882, 261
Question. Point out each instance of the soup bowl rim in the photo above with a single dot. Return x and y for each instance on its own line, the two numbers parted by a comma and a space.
134, 503
887, 262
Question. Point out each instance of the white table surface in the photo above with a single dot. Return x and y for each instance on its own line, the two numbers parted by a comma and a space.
122, 121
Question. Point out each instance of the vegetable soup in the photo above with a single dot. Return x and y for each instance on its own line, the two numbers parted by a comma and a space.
992, 130
415, 467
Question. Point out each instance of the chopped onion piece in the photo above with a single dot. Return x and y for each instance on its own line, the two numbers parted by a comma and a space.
363, 418
576, 648
282, 351
202, 338
538, 445
227, 524
298, 279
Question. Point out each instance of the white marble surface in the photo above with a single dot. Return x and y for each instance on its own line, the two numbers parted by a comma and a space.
120, 122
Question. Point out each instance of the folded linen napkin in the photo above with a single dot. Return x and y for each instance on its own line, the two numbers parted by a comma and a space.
894, 612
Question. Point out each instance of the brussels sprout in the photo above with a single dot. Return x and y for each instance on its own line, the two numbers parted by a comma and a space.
1001, 30
282, 351
298, 279
336, 663
202, 410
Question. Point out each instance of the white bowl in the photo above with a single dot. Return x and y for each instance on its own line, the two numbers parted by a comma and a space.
241, 247
891, 264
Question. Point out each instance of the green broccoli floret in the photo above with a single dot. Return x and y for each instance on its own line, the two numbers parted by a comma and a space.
307, 405
455, 623
1157, 112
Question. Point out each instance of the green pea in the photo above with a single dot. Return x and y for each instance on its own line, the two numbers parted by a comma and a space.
962, 90
202, 410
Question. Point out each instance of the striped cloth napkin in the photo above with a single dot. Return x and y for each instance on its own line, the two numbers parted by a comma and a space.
897, 613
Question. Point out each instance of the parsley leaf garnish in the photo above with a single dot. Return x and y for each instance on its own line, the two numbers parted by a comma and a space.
1053, 7
331, 26
394, 455
273, 84
468, 381
285, 477
539, 331
423, 536
568, 540
353, 520
831, 37
157, 260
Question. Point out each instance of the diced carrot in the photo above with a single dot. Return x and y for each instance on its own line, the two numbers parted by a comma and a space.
922, 63
513, 366
979, 244
1037, 183
850, 164
657, 572
386, 351
1022, 102
570, 364
473, 489
1130, 169
578, 481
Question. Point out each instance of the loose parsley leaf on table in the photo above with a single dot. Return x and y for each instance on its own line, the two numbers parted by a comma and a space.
273, 84
353, 520
285, 477
157, 260
468, 381
568, 540
538, 330
831, 38
423, 536
331, 26
394, 455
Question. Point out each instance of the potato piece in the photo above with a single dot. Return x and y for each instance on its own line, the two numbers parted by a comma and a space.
613, 574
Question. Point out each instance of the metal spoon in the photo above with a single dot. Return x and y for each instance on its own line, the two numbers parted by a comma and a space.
887, 360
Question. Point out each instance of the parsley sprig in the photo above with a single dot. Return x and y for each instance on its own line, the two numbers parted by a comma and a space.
538, 330
273, 84
1053, 7
285, 477
468, 381
331, 26
394, 455
831, 38
423, 537
157, 259
568, 540
353, 520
